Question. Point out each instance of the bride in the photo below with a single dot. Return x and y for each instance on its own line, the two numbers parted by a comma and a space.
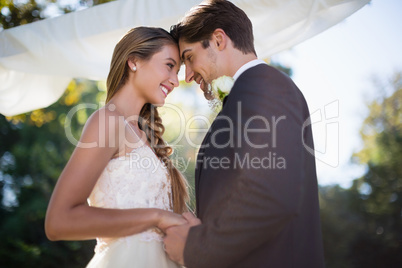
108, 189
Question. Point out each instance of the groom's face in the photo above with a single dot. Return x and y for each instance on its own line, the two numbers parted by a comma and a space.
201, 63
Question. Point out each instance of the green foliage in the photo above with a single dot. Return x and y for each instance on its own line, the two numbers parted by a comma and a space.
34, 153
15, 13
19, 14
362, 226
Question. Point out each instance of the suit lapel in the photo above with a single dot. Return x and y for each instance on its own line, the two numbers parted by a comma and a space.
199, 166
206, 141
200, 161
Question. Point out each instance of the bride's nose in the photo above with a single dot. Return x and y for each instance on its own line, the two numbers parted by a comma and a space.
174, 80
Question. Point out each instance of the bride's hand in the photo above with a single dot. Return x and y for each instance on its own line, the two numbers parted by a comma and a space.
168, 219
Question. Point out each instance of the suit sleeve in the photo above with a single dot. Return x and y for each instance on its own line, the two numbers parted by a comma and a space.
264, 189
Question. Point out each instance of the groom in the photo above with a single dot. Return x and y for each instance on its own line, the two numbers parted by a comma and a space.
256, 184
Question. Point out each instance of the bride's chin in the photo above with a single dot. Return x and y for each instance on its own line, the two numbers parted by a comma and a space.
159, 104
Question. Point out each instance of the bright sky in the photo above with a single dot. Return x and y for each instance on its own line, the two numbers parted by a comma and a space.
335, 69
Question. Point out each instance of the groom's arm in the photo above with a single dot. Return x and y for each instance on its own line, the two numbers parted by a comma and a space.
258, 202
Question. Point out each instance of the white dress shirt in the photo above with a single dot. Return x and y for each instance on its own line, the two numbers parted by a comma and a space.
247, 66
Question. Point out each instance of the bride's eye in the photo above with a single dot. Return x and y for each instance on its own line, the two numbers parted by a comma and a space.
170, 65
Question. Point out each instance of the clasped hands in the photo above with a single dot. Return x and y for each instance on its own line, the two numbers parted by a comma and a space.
176, 236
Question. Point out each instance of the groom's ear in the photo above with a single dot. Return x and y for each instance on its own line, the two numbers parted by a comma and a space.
219, 39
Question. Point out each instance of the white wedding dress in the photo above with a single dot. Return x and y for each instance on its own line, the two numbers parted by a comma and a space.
137, 180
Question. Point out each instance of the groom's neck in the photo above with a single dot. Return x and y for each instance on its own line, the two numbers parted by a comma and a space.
237, 59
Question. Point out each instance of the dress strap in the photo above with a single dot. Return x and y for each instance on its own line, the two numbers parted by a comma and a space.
144, 143
132, 129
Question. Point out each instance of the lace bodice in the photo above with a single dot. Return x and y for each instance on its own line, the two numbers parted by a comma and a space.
137, 180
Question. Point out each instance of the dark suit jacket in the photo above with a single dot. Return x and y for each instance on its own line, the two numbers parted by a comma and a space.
256, 184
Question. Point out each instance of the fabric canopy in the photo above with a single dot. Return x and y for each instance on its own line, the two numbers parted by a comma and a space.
38, 60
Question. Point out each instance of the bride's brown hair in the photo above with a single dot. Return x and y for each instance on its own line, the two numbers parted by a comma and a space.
142, 43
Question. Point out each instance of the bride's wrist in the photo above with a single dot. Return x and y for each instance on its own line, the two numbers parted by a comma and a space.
159, 215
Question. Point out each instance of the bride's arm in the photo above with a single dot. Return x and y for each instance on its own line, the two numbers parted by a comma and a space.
68, 215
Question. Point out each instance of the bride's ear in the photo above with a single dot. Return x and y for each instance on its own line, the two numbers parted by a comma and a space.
132, 64
219, 39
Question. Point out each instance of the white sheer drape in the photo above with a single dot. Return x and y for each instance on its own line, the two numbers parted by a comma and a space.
38, 60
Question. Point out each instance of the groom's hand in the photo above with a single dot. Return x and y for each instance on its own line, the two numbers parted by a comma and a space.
192, 220
176, 237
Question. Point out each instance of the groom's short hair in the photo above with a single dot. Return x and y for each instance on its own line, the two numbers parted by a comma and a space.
202, 20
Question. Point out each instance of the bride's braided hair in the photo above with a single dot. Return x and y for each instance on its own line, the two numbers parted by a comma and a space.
143, 43
151, 123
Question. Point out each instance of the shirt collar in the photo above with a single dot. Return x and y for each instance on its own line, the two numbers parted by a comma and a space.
247, 66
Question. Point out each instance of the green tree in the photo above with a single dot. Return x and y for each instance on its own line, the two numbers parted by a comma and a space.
33, 152
362, 225
339, 224
380, 189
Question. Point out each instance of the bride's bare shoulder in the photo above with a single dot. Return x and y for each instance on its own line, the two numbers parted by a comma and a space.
101, 124
104, 117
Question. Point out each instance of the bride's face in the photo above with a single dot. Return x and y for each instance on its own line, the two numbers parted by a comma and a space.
157, 77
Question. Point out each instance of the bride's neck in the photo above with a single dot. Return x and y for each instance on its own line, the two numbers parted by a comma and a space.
127, 103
